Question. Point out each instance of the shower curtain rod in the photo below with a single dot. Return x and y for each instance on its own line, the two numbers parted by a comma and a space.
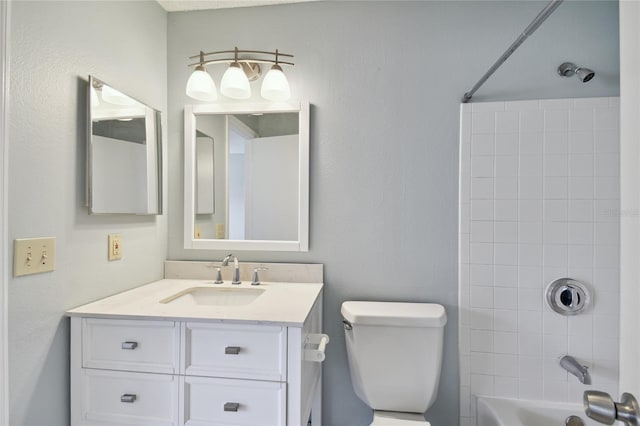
544, 14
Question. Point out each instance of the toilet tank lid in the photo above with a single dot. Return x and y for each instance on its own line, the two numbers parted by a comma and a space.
397, 314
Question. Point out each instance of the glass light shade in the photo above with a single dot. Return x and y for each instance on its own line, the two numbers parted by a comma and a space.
113, 96
275, 86
234, 83
201, 86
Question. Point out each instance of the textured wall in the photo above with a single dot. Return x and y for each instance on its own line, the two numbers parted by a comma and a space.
539, 201
54, 47
384, 80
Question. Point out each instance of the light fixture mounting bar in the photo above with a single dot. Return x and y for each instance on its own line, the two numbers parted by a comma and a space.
277, 54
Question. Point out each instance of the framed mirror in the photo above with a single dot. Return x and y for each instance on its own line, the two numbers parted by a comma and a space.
246, 176
124, 153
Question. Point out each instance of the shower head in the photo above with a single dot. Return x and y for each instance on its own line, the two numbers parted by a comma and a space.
568, 69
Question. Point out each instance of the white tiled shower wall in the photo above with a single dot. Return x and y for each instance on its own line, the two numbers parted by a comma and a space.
539, 200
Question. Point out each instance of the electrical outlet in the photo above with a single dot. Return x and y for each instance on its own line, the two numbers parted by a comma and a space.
115, 247
33, 255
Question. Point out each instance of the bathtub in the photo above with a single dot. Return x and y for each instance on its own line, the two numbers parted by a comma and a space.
513, 412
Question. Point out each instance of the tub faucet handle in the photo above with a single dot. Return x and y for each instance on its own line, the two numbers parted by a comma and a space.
600, 407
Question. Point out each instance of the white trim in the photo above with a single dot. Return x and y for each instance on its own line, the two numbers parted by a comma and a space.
4, 248
629, 196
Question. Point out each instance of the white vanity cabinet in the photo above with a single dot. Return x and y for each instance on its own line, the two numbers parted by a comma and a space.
193, 372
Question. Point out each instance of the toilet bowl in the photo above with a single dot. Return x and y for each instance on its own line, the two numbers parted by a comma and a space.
395, 356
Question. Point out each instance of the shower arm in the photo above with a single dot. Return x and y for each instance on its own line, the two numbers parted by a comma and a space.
542, 16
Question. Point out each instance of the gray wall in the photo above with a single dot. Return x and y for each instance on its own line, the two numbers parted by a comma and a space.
384, 80
54, 47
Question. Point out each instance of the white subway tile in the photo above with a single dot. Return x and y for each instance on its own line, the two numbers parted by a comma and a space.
481, 274
507, 122
486, 106
556, 187
505, 320
506, 387
552, 370
530, 344
582, 274
605, 371
505, 276
529, 255
481, 188
481, 363
581, 210
580, 120
482, 210
556, 103
506, 232
607, 141
606, 302
581, 326
581, 347
481, 253
482, 166
506, 365
556, 143
532, 121
530, 368
481, 319
530, 188
551, 273
607, 187
607, 211
481, 297
555, 211
530, 389
481, 341
506, 166
607, 118
581, 188
506, 210
482, 144
505, 297
505, 254
530, 232
481, 231
581, 165
556, 232
531, 276
530, 322
581, 233
614, 101
506, 188
553, 255
606, 349
554, 323
581, 256
556, 120
530, 299
555, 391
530, 210
507, 144
607, 164
556, 165
522, 105
554, 345
481, 385
483, 122
606, 279
581, 143
606, 256
531, 165
531, 144
599, 102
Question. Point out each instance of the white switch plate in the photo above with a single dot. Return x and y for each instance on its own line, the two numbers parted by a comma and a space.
33, 255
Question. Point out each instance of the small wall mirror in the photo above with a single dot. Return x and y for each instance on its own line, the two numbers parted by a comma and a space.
247, 176
124, 164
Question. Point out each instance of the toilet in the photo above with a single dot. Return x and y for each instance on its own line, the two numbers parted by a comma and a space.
395, 356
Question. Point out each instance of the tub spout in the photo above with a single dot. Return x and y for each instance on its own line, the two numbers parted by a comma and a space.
570, 364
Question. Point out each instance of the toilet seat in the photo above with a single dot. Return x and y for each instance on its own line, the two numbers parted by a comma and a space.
393, 418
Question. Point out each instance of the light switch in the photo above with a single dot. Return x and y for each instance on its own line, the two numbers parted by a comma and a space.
33, 255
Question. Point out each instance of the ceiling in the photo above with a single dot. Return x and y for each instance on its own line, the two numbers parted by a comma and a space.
182, 5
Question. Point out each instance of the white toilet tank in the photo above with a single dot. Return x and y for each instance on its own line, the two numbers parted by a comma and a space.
395, 353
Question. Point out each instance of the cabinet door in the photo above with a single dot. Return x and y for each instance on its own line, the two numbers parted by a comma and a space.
146, 346
224, 402
235, 351
123, 398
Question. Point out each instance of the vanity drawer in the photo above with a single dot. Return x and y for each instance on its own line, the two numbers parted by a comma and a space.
224, 402
125, 398
235, 351
146, 346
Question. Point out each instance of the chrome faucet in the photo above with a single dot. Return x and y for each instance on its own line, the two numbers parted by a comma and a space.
570, 364
236, 272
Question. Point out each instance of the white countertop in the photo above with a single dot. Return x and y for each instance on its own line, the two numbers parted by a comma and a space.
285, 304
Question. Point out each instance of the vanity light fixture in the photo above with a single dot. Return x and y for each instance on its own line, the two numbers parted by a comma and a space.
243, 68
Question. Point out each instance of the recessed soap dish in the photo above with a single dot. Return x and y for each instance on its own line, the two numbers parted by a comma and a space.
567, 296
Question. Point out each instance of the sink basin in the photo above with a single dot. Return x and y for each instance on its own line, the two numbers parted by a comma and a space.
214, 296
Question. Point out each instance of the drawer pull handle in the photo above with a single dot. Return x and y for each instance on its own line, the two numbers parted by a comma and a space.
128, 398
231, 406
129, 345
232, 350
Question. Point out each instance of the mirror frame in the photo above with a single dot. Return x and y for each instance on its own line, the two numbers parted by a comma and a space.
190, 113
155, 126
